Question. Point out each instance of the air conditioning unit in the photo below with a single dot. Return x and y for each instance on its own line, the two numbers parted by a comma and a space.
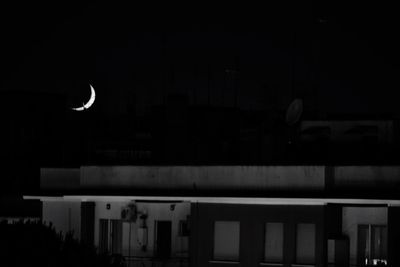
129, 212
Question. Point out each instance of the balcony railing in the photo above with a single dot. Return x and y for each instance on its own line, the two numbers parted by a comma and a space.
135, 261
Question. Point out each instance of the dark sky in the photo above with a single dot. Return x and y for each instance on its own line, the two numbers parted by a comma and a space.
344, 57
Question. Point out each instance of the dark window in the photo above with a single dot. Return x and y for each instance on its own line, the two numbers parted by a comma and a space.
183, 228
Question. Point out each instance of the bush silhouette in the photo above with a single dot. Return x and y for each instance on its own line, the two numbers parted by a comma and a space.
33, 243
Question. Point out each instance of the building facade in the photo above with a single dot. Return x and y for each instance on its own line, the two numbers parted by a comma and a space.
230, 215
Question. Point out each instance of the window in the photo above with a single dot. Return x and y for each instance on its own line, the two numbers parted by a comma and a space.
226, 240
273, 246
110, 236
184, 228
305, 243
372, 245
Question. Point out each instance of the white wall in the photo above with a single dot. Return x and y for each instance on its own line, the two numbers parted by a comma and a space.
65, 216
353, 216
155, 211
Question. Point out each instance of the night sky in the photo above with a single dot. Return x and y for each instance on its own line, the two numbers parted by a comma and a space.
339, 58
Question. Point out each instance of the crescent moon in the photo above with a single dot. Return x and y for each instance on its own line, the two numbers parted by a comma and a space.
90, 102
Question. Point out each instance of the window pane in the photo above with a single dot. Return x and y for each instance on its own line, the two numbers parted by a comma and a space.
378, 242
183, 228
331, 252
273, 242
226, 240
362, 244
305, 243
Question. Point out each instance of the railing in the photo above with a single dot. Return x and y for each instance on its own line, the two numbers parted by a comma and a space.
136, 261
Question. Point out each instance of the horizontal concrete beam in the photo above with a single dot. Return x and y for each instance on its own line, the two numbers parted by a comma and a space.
225, 200
348, 177
220, 179
253, 178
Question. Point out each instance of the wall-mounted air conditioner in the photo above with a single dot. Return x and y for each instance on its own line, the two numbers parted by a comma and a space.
129, 212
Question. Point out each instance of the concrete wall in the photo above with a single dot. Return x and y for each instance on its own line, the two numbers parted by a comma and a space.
64, 215
353, 216
367, 176
238, 179
155, 211
208, 178
59, 178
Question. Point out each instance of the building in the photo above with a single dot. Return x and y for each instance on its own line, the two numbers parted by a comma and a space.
230, 215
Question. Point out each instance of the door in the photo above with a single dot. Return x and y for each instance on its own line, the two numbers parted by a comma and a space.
163, 239
363, 248
116, 236
103, 235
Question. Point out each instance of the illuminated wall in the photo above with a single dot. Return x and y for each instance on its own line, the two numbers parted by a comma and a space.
155, 211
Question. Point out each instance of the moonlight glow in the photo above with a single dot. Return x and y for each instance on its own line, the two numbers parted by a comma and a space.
90, 102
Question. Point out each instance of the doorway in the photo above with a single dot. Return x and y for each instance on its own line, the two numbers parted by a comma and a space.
162, 242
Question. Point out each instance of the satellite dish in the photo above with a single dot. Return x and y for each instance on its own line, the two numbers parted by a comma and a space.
294, 111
